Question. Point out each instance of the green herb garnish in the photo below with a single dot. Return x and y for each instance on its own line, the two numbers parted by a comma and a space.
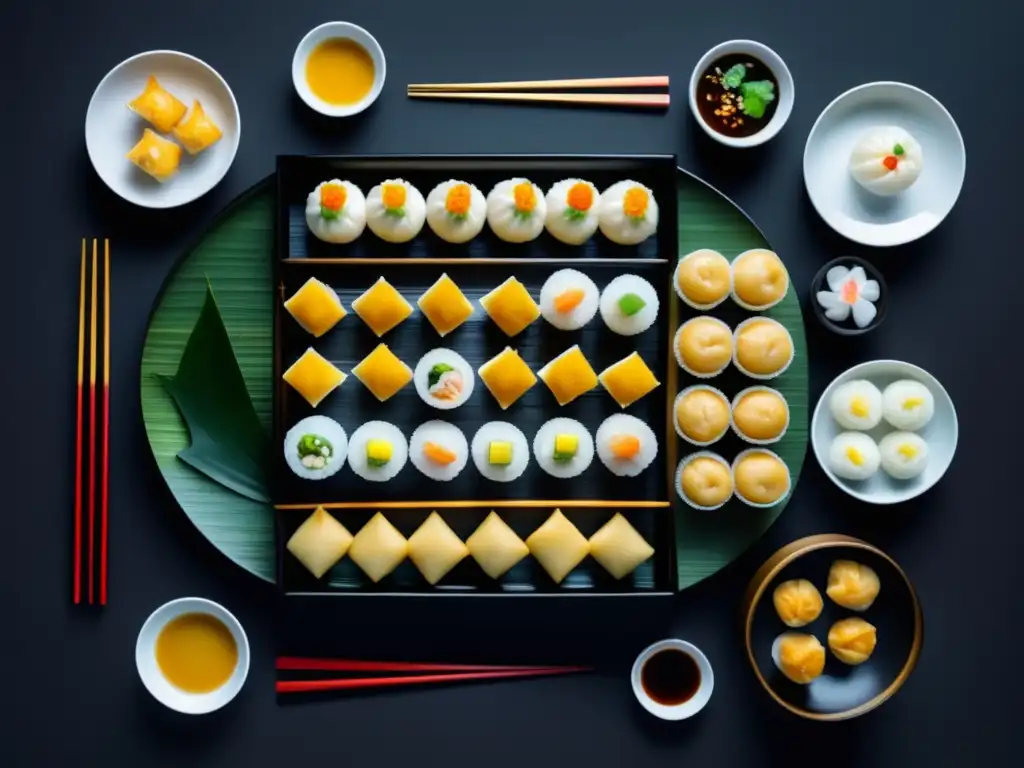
897, 150
314, 445
630, 304
378, 463
757, 95
396, 212
733, 76
329, 213
457, 216
435, 373
572, 214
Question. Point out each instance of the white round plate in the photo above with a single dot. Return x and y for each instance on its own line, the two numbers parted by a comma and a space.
940, 433
338, 29
167, 694
112, 129
858, 214
691, 706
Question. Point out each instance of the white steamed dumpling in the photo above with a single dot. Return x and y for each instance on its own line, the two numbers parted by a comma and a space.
886, 160
336, 211
572, 211
628, 213
456, 211
857, 405
516, 209
904, 454
395, 211
854, 456
907, 405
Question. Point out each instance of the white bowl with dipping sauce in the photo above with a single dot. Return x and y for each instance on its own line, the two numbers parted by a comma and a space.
153, 677
693, 699
337, 30
859, 215
785, 96
112, 129
941, 433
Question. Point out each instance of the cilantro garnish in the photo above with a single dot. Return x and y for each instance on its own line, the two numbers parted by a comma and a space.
757, 95
733, 76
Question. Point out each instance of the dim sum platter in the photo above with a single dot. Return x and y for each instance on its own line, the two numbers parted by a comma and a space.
588, 500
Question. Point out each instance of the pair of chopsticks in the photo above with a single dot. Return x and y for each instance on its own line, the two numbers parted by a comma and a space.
520, 91
398, 673
91, 302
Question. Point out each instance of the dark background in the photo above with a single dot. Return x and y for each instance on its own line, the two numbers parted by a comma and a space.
70, 683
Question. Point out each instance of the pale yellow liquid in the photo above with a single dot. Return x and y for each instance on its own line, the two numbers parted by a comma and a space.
340, 71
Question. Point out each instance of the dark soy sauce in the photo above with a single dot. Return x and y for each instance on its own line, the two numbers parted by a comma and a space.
670, 677
721, 108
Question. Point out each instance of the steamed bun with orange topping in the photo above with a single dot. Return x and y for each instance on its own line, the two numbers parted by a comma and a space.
516, 209
628, 213
336, 211
572, 214
456, 211
395, 211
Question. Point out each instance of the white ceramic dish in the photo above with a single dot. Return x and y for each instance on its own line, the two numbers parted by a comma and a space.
337, 29
854, 212
112, 129
774, 62
167, 694
940, 433
691, 706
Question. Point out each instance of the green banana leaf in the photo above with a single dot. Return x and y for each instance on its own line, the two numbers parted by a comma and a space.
228, 443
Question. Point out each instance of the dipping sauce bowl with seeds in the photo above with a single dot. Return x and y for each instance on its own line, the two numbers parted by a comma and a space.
741, 93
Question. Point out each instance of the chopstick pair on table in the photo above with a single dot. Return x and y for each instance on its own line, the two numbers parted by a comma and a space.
91, 532
526, 91
398, 673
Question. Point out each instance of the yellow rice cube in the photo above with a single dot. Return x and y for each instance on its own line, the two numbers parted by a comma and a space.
566, 447
507, 377
382, 372
511, 307
569, 375
558, 546
379, 452
496, 547
314, 377
445, 306
499, 452
316, 307
628, 380
378, 548
435, 549
618, 547
381, 307
320, 542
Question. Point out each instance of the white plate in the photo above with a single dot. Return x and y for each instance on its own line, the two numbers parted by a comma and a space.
112, 129
856, 213
157, 684
940, 433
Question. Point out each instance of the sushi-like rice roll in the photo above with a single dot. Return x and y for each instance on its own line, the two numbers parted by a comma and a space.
628, 213
395, 211
500, 451
315, 448
336, 211
626, 445
572, 211
439, 450
443, 379
377, 451
569, 299
629, 305
516, 209
456, 211
563, 448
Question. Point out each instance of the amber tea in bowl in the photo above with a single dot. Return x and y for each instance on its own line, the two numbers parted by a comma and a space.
338, 69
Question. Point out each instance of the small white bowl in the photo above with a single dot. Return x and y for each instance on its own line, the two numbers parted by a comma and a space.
158, 685
774, 62
691, 706
112, 129
328, 31
855, 213
941, 433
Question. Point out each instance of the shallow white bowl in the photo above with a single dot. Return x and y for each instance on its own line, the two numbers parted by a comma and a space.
940, 433
854, 212
336, 29
112, 129
691, 706
157, 684
774, 62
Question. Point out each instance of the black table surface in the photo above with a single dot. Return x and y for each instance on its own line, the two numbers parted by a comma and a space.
69, 675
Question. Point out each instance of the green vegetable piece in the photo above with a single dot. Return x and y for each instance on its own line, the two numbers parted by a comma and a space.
315, 445
435, 373
378, 463
329, 213
630, 304
572, 214
733, 76
897, 150
756, 97
457, 216
559, 456
398, 213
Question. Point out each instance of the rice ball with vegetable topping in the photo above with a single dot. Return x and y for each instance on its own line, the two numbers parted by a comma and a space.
629, 305
443, 379
315, 448
439, 450
377, 451
500, 451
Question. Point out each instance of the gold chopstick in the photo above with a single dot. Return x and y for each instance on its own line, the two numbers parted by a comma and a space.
655, 100
502, 503
654, 81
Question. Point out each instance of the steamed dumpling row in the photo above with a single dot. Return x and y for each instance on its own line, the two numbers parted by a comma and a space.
516, 209
321, 541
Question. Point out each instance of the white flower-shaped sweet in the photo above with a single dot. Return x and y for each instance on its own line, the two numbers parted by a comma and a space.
850, 292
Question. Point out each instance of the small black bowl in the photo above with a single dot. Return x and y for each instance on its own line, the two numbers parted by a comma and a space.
847, 327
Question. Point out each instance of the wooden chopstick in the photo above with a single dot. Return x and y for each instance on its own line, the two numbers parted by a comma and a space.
356, 683
105, 459
654, 81
655, 100
92, 423
496, 503
356, 665
77, 577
